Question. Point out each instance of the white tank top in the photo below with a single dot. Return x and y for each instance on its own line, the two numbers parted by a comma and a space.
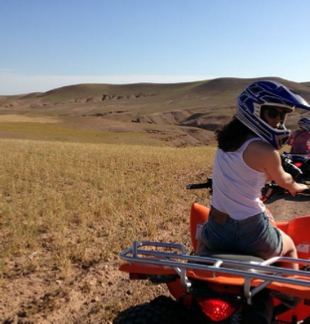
236, 186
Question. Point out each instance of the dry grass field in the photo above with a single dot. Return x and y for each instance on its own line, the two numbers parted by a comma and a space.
87, 169
68, 209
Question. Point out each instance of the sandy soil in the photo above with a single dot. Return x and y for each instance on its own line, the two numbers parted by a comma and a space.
287, 207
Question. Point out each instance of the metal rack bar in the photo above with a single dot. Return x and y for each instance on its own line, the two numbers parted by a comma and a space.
147, 252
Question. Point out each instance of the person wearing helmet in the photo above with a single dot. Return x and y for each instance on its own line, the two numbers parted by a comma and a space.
300, 139
246, 158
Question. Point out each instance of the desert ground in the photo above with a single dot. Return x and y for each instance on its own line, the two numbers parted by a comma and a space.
179, 116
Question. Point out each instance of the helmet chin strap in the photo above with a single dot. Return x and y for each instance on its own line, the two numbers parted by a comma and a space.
281, 126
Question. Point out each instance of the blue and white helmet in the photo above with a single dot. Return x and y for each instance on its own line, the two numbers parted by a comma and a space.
304, 123
262, 94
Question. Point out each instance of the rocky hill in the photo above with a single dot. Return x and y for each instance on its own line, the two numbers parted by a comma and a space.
189, 111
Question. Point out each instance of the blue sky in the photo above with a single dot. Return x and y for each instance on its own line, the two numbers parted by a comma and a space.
46, 44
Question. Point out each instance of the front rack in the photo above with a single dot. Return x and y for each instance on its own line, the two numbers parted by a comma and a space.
156, 253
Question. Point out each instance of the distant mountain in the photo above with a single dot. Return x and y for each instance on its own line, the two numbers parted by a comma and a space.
306, 84
201, 104
109, 91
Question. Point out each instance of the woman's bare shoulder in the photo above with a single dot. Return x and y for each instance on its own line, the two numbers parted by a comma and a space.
257, 153
261, 145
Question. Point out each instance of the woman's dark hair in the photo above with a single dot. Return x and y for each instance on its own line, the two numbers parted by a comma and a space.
232, 135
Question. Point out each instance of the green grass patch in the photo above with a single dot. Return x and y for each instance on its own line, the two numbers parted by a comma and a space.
53, 132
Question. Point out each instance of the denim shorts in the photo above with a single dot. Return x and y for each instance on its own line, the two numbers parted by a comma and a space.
252, 236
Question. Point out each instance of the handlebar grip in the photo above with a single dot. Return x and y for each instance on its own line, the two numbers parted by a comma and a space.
198, 185
306, 192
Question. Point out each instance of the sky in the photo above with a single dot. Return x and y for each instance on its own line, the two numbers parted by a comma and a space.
47, 44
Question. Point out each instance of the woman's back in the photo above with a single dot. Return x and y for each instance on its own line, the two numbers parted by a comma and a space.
236, 186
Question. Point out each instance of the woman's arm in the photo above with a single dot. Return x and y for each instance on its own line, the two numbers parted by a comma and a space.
273, 166
263, 157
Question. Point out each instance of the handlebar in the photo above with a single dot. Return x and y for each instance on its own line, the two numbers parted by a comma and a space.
204, 185
268, 191
290, 167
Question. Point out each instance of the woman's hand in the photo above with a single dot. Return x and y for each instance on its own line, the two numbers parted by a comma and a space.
297, 188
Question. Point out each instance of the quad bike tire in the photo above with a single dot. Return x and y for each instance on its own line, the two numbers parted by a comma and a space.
162, 310
306, 320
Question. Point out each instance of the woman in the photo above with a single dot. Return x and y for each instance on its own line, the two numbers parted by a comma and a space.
246, 158
300, 139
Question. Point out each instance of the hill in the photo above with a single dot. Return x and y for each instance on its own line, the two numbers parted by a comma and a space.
179, 114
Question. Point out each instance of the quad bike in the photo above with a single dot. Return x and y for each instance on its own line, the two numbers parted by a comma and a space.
214, 287
297, 166
302, 161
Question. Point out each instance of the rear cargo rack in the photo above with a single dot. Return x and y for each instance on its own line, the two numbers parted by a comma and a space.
174, 256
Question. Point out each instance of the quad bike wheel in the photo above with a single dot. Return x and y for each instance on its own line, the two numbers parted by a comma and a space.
306, 320
161, 310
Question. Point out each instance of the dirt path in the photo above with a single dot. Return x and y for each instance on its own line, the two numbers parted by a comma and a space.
287, 207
